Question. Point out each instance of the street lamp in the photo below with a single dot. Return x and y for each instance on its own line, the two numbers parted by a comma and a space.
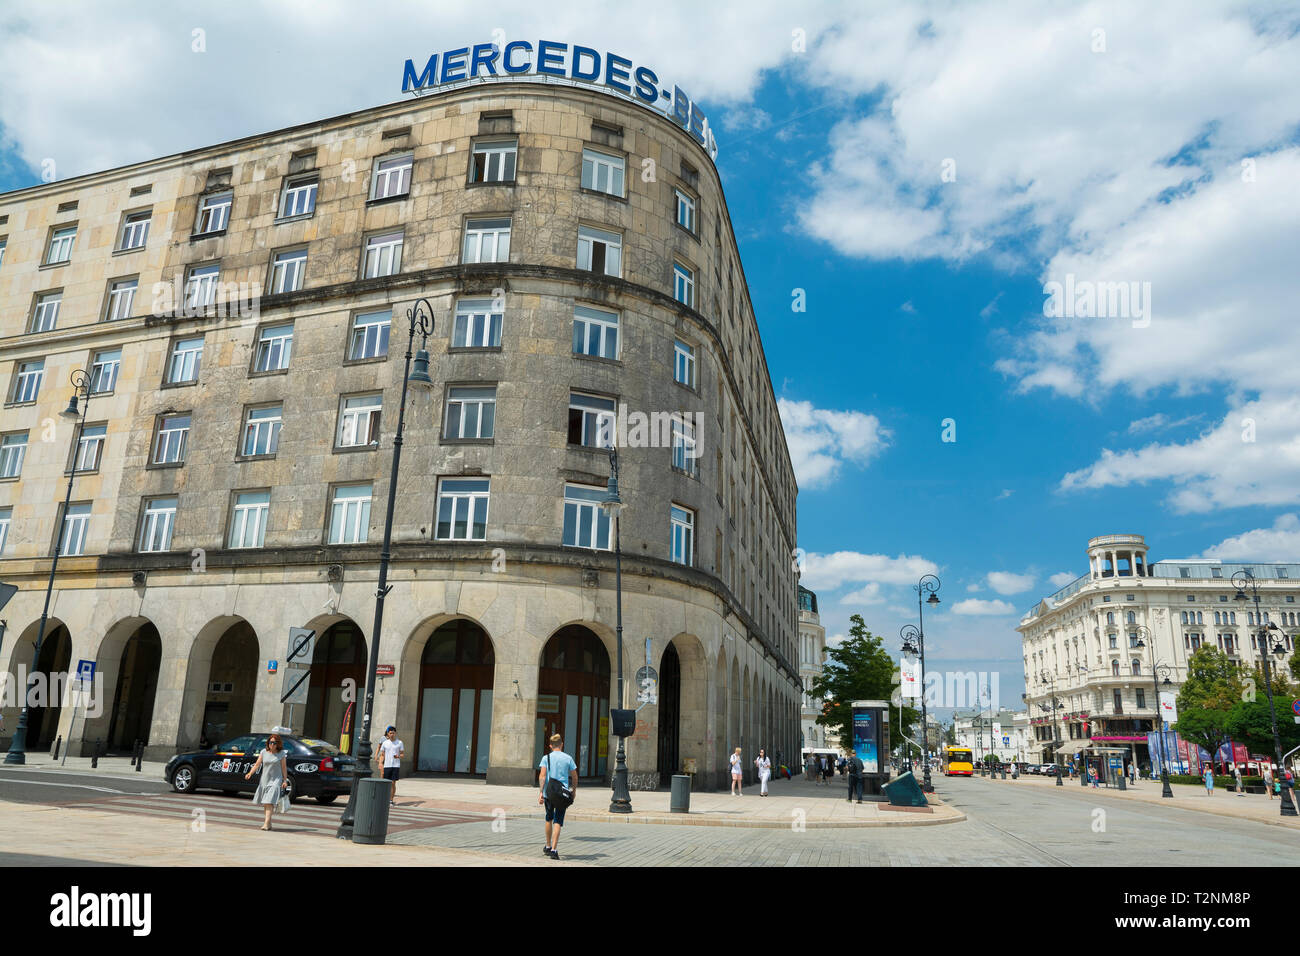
929, 584
612, 505
1050, 679
1241, 580
419, 377
911, 638
1158, 669
80, 387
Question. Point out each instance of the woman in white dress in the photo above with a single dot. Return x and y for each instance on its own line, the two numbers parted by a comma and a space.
273, 781
737, 773
764, 766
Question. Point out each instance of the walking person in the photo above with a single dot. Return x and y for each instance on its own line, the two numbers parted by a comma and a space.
737, 772
274, 781
557, 773
1236, 773
764, 766
1268, 780
809, 767
390, 758
1209, 781
856, 769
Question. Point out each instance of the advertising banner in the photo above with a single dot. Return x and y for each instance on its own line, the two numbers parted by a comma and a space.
1168, 707
909, 683
866, 735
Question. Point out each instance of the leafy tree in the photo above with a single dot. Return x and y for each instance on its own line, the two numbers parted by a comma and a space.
858, 669
1249, 723
1213, 687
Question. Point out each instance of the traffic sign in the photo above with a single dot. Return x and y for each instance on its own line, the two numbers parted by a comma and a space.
302, 644
295, 686
85, 671
1295, 706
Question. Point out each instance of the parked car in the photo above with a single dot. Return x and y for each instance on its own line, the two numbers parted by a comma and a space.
316, 768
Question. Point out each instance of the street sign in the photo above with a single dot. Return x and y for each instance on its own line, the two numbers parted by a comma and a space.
295, 686
272, 666
647, 682
385, 670
7, 591
302, 644
85, 671
1295, 704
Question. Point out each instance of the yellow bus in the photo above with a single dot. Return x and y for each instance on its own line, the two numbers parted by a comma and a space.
957, 762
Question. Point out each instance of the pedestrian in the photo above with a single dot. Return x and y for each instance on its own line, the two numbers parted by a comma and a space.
1092, 775
856, 769
274, 782
557, 781
737, 773
1133, 772
810, 767
827, 770
764, 766
1268, 780
391, 751
1236, 773
1209, 781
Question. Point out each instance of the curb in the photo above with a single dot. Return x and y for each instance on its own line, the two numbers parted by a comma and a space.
700, 820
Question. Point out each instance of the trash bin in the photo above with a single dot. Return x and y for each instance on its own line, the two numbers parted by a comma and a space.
1123, 784
679, 800
370, 822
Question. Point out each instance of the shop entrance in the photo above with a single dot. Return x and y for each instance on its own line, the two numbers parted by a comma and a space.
455, 708
573, 699
670, 710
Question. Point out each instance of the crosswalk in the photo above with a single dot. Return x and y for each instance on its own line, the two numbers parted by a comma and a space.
239, 810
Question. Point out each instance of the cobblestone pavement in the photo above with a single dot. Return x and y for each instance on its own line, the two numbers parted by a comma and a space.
1006, 826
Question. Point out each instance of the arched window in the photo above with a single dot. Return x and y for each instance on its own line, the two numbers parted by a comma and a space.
1132, 617
1199, 618
1137, 667
1114, 668
1216, 617
1184, 617
1110, 617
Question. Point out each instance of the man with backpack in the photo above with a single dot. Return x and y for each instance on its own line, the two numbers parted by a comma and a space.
856, 770
557, 780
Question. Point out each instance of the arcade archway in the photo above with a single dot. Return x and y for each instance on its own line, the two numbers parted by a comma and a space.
573, 698
337, 681
454, 712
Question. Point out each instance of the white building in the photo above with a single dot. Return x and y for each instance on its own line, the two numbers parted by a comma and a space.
812, 653
1095, 650
1004, 733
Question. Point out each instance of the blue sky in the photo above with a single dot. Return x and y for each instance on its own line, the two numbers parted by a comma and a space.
1091, 140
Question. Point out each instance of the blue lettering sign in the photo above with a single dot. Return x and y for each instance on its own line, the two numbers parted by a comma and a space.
454, 60
550, 57
511, 49
412, 82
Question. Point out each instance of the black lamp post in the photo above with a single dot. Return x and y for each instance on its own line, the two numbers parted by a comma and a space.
911, 638
1158, 669
80, 388
612, 505
929, 584
419, 377
1241, 580
1050, 680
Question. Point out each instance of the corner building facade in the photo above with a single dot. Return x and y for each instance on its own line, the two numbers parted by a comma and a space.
232, 477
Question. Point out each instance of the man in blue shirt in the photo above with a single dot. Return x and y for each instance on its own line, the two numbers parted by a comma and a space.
556, 765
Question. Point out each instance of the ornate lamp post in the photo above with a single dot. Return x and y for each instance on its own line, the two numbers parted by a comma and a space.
80, 389
929, 584
1158, 669
911, 638
419, 377
1241, 580
612, 505
1050, 680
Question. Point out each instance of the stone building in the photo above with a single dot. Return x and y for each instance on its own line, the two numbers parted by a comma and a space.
243, 313
1088, 683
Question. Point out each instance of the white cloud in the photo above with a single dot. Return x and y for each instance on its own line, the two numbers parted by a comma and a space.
978, 607
821, 440
1160, 422
1005, 582
867, 594
1278, 543
1061, 578
827, 572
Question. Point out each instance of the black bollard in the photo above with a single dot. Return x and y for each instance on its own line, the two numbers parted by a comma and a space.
139, 756
94, 757
54, 754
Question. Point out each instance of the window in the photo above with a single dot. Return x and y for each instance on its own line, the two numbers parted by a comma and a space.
90, 448
1141, 698
471, 412
248, 519
591, 420
76, 520
169, 444
685, 211
493, 162
383, 255
27, 383
287, 269
121, 298
135, 231
46, 313
156, 524
585, 524
274, 346
595, 332
13, 449
262, 431
1114, 668
683, 535
684, 364
683, 285
1132, 617
486, 240
186, 357
214, 213
462, 509
1114, 642
299, 198
201, 286
3, 243
600, 251
602, 172
370, 335
392, 177
1136, 666
477, 326
685, 455
60, 245
350, 514
6, 516
1118, 698
359, 421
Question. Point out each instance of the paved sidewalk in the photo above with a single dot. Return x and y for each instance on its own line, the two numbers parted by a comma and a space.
821, 806
34, 834
1251, 806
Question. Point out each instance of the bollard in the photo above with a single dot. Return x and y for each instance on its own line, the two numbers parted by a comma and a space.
679, 800
139, 756
371, 820
54, 754
94, 757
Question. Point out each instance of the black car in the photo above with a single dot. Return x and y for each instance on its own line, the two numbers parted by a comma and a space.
316, 768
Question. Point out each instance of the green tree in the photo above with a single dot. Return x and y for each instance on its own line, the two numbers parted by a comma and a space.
1213, 687
858, 669
1249, 723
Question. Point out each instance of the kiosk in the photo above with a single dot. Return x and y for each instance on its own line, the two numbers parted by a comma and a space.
871, 742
